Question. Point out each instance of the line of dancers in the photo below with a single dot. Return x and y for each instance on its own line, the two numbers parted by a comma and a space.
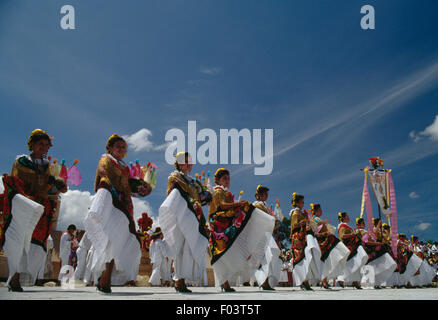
237, 235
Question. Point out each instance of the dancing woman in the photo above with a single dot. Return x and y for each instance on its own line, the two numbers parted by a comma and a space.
305, 249
183, 223
425, 273
394, 280
239, 233
29, 204
358, 256
110, 225
378, 254
408, 262
334, 253
268, 274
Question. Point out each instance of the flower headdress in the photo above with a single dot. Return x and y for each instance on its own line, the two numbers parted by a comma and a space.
220, 173
296, 198
180, 158
314, 207
113, 139
260, 190
341, 216
37, 135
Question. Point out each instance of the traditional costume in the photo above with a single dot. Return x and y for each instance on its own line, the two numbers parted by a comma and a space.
65, 247
307, 265
47, 267
394, 279
110, 224
334, 253
159, 253
379, 257
82, 253
238, 237
408, 262
358, 256
29, 202
425, 273
270, 267
183, 224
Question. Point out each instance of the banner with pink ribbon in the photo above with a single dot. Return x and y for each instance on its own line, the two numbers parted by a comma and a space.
393, 214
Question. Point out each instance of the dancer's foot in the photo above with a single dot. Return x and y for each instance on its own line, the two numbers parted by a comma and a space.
305, 286
356, 285
325, 285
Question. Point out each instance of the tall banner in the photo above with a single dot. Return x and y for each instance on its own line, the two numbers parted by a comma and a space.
378, 181
384, 191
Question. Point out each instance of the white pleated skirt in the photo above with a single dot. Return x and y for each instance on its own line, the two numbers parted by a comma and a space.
82, 254
352, 269
283, 276
308, 269
412, 267
334, 265
250, 243
108, 230
384, 267
427, 273
393, 280
159, 272
23, 256
270, 265
180, 229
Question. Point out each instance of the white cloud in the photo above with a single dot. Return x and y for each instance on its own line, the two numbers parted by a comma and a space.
74, 208
139, 141
212, 71
430, 132
413, 195
423, 226
75, 204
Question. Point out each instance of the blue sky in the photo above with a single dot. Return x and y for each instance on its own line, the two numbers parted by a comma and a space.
334, 94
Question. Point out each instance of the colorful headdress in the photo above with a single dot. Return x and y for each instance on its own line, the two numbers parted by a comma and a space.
220, 173
37, 135
385, 226
315, 206
180, 158
375, 221
341, 216
296, 198
113, 139
260, 190
359, 221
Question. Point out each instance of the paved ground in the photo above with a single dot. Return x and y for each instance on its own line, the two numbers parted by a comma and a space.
209, 293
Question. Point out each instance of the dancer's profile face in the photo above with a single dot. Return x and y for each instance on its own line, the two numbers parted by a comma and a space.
301, 204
